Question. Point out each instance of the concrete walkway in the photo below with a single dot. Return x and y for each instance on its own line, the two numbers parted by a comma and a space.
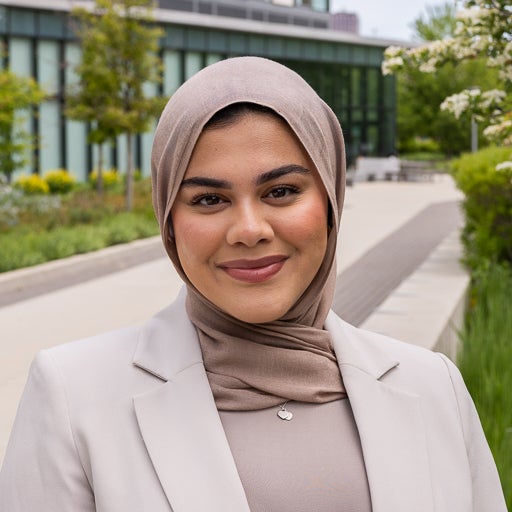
84, 295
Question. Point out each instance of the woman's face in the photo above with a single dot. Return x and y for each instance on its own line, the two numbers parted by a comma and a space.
250, 218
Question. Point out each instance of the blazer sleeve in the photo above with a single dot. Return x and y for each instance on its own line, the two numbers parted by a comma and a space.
487, 490
42, 470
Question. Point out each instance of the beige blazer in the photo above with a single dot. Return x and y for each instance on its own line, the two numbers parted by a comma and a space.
126, 422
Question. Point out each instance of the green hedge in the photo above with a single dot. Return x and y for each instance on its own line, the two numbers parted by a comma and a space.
487, 205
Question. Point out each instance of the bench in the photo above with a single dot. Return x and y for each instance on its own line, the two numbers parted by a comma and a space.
416, 171
370, 168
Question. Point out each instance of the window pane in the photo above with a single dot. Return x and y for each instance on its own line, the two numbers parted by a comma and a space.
172, 71
3, 19
107, 155
23, 22
48, 66
51, 24
23, 124
146, 143
76, 149
121, 154
372, 87
20, 56
72, 56
372, 143
193, 64
49, 123
356, 87
211, 58
319, 5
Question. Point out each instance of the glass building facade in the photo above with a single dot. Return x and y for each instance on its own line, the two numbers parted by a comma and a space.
346, 74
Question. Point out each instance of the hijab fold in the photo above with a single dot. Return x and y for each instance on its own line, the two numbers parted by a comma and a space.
254, 366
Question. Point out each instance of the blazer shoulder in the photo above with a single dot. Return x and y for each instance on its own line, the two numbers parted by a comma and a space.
116, 347
396, 362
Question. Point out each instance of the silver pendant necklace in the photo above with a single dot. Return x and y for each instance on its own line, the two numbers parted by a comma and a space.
283, 413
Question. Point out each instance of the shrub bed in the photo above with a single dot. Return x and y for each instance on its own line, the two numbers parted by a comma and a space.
487, 205
59, 181
36, 229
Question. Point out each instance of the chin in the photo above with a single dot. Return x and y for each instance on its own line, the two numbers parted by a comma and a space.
257, 315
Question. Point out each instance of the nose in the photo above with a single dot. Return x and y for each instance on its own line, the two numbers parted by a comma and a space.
249, 226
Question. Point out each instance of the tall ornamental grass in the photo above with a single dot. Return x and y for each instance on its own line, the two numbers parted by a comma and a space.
485, 361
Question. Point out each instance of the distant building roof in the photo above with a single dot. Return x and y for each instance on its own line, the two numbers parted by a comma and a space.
221, 22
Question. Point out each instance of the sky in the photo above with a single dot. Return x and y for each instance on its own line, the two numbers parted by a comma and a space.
385, 19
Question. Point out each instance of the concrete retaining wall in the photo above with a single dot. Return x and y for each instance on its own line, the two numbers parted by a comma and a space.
427, 309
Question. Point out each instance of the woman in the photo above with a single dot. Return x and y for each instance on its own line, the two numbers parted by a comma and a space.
247, 393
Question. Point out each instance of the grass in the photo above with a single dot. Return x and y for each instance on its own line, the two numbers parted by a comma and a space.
486, 361
423, 156
82, 223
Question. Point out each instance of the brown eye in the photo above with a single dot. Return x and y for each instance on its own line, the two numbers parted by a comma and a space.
282, 192
207, 200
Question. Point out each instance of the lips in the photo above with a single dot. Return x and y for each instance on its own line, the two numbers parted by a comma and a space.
254, 271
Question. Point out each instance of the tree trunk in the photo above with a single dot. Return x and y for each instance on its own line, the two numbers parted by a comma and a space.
129, 172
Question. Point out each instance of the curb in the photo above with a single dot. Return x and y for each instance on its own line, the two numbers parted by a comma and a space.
17, 285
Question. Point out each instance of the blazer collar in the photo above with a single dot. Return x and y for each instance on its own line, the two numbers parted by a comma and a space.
185, 439
168, 344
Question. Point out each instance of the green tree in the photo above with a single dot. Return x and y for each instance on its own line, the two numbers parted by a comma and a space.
17, 94
119, 45
90, 100
438, 23
420, 95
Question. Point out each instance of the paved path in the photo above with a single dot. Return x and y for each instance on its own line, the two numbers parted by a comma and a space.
367, 282
62, 301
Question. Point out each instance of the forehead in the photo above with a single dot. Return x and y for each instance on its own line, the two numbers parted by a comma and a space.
253, 151
253, 131
250, 138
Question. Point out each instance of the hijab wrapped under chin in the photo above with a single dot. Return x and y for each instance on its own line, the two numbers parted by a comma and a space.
254, 366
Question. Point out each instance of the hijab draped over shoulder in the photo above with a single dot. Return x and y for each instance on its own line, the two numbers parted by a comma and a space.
254, 366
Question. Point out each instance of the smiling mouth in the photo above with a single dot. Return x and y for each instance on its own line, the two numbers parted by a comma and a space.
254, 271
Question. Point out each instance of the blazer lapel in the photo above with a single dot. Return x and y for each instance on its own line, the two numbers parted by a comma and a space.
185, 439
389, 422
179, 421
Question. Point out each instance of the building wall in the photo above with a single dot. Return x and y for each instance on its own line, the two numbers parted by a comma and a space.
345, 21
347, 76
295, 12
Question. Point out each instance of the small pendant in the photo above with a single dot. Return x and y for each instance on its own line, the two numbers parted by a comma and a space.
284, 414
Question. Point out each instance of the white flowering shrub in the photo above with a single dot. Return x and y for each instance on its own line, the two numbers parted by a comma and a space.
484, 29
14, 203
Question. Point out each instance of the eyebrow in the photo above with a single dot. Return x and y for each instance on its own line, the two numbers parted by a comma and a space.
200, 181
280, 172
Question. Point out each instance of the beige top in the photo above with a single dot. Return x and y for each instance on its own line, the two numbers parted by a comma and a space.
312, 463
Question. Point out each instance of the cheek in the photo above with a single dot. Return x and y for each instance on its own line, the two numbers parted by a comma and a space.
309, 227
190, 236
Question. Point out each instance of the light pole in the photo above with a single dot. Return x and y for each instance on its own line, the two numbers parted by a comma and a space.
474, 134
474, 92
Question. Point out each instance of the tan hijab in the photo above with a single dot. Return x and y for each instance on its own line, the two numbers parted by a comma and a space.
253, 366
